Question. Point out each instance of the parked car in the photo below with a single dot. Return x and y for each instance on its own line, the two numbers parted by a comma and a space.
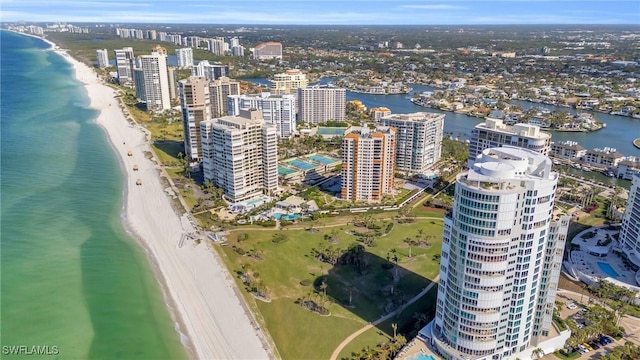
582, 349
587, 346
606, 339
594, 345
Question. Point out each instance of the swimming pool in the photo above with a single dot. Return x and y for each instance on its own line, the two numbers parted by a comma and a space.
281, 216
608, 269
301, 164
323, 159
421, 356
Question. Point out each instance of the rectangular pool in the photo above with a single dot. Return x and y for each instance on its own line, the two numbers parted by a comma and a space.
608, 269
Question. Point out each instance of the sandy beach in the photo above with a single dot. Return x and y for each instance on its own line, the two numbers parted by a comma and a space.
210, 315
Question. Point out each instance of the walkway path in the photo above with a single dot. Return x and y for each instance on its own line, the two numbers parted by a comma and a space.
322, 226
350, 338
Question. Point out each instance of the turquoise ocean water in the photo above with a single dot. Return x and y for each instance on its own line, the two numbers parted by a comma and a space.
71, 277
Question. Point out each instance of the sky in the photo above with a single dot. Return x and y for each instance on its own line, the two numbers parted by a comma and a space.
329, 12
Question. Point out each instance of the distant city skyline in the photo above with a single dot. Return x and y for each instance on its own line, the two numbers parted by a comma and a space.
328, 12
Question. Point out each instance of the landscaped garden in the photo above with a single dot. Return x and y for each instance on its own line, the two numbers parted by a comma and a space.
313, 287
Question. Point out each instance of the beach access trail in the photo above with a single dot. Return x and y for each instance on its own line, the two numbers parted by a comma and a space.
200, 293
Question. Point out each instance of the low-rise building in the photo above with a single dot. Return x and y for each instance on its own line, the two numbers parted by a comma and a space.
627, 169
569, 150
603, 158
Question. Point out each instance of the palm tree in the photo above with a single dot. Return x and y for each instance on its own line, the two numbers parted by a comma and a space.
537, 353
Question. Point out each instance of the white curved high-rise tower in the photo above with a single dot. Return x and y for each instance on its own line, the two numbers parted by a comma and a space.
501, 258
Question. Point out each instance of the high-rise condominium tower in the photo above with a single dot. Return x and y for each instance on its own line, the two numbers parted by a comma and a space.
320, 104
196, 108
240, 155
219, 90
156, 81
501, 257
288, 82
630, 232
124, 64
368, 160
419, 141
279, 110
103, 58
184, 57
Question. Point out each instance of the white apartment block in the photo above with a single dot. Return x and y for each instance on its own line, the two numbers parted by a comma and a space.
219, 90
419, 140
603, 158
501, 260
630, 231
210, 71
124, 64
317, 104
103, 58
218, 46
240, 155
569, 150
368, 161
156, 81
288, 82
184, 57
279, 110
494, 133
195, 104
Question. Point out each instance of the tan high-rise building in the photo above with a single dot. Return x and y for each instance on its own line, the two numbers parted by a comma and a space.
288, 82
240, 155
196, 108
368, 161
219, 89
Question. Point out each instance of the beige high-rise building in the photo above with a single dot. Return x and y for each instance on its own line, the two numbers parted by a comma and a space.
196, 108
240, 155
219, 89
288, 82
368, 161
419, 143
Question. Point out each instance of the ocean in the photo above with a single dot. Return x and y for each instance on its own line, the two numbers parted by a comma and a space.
73, 282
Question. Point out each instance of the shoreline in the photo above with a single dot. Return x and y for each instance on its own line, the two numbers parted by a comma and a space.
208, 315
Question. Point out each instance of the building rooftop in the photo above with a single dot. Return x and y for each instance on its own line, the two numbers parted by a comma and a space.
415, 117
510, 162
526, 130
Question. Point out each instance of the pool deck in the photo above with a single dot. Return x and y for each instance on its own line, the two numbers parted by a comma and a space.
585, 264
413, 348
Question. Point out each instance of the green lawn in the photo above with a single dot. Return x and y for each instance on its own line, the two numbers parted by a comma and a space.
299, 333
